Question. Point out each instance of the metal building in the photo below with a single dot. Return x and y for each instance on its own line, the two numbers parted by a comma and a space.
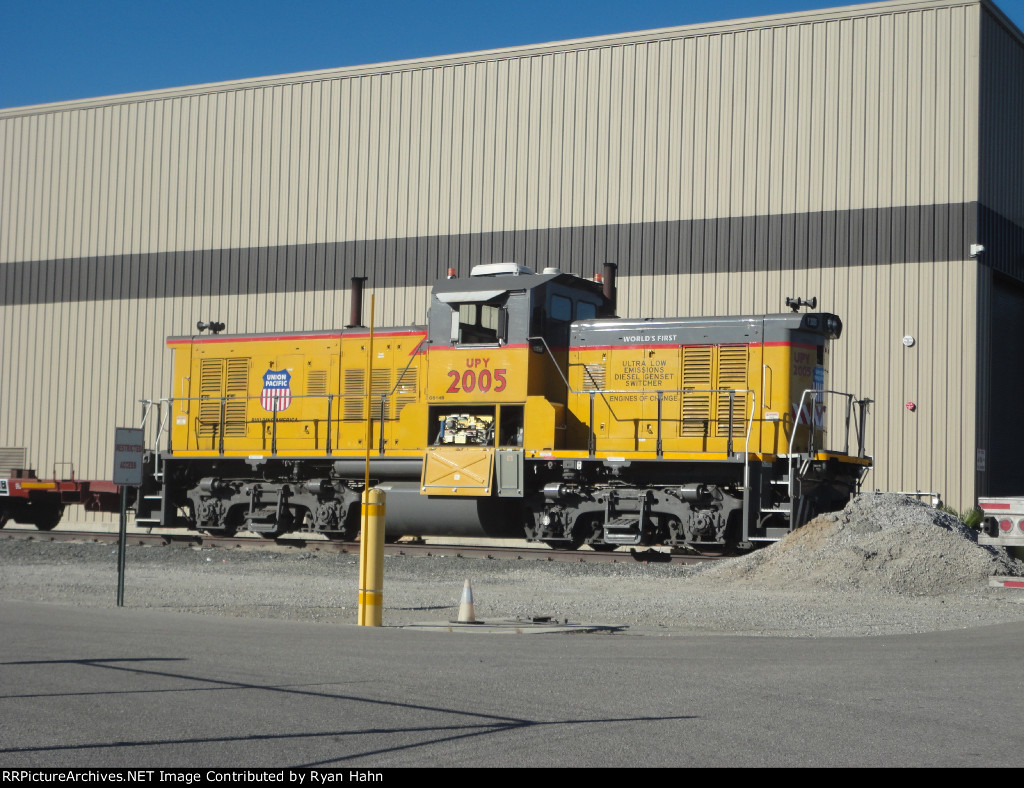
863, 155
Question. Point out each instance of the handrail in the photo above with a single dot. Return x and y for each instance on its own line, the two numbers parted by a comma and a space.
659, 392
221, 423
412, 357
859, 427
385, 397
61, 464
802, 411
163, 416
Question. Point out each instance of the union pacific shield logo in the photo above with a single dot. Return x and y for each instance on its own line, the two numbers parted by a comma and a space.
277, 392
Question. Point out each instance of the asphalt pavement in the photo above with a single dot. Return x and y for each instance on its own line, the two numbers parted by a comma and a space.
141, 689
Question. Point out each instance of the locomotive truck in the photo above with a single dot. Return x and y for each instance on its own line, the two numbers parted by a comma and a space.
524, 408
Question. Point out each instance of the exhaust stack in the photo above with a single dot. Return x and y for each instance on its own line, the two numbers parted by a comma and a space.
356, 307
609, 290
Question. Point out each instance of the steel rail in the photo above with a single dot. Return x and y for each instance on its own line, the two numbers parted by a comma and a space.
290, 543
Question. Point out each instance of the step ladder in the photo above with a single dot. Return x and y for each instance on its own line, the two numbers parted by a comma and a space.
150, 515
149, 508
264, 517
625, 529
785, 506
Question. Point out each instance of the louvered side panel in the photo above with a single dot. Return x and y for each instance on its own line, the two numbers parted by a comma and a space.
697, 376
594, 376
380, 386
236, 389
354, 395
407, 389
211, 383
732, 374
316, 384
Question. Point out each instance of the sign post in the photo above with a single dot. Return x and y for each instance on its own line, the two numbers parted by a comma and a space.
128, 451
371, 535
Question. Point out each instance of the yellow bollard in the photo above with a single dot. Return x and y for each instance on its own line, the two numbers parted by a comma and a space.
371, 559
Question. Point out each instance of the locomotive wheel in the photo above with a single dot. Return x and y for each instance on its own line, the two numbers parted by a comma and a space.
602, 547
226, 530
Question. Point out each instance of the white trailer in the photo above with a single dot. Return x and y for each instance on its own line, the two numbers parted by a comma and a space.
1003, 525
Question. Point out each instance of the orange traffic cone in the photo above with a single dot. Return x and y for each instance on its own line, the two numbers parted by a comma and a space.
466, 615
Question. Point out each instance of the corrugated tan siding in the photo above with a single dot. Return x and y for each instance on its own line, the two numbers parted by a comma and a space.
932, 448
860, 108
849, 112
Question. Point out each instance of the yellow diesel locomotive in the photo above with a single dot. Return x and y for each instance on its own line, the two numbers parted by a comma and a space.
523, 409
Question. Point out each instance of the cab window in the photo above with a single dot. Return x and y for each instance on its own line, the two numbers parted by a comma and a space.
559, 320
478, 324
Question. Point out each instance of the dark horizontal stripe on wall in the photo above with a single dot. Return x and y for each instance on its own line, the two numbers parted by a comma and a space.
823, 239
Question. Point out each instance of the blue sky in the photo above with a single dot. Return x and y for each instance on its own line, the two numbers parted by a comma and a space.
56, 50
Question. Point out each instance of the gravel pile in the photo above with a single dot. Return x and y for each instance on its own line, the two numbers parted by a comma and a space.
886, 543
883, 566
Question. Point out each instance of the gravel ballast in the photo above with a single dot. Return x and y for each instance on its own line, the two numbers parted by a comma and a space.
884, 565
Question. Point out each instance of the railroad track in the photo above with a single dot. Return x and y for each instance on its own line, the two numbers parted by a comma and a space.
412, 548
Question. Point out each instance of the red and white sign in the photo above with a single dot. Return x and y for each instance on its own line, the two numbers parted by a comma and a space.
277, 392
803, 415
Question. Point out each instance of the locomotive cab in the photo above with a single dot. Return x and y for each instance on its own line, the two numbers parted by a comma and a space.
504, 304
498, 343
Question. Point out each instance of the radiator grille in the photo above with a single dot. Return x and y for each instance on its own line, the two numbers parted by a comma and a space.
696, 412
380, 386
354, 395
317, 382
407, 390
226, 378
732, 374
594, 376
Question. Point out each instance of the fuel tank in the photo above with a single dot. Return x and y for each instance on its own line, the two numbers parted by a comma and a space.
408, 513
